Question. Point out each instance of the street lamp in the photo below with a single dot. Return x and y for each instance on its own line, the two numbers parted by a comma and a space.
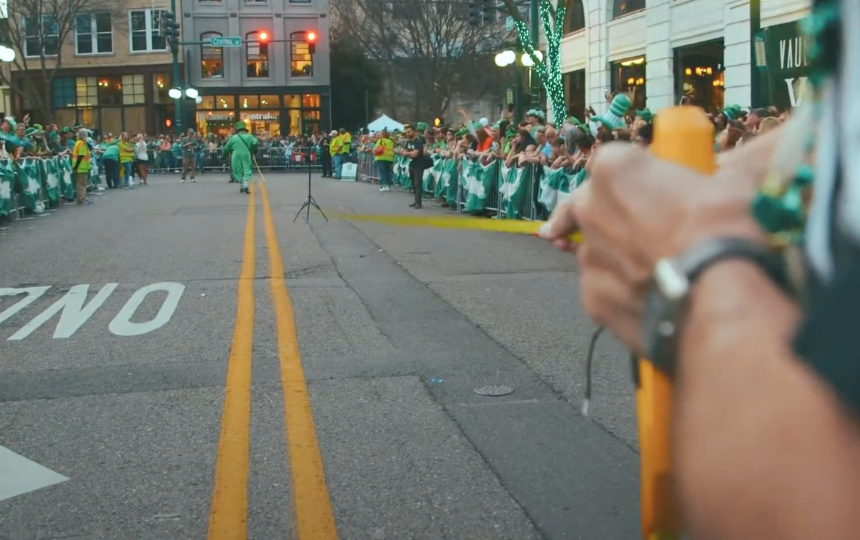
192, 93
505, 58
7, 54
174, 93
527, 59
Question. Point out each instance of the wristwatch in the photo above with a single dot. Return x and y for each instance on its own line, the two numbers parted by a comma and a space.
668, 298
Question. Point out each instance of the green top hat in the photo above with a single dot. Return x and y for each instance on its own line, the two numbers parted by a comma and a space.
240, 126
421, 126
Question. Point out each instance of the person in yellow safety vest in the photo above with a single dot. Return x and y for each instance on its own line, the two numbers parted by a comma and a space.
335, 151
81, 165
346, 139
384, 157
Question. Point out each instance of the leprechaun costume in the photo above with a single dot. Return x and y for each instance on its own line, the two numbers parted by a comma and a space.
241, 146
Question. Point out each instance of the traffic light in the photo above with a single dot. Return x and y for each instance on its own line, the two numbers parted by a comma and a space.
437, 122
263, 37
311, 39
170, 28
476, 12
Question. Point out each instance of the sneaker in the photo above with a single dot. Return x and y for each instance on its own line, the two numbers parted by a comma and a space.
183, 180
193, 181
416, 206
381, 188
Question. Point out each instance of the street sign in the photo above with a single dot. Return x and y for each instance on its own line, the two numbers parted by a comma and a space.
509, 24
225, 42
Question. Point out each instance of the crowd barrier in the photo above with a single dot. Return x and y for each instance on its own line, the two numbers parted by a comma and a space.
269, 159
490, 189
35, 184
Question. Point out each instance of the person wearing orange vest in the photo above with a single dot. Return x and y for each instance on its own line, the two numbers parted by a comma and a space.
82, 165
384, 157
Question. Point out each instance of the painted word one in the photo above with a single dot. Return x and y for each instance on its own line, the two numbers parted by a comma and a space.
75, 311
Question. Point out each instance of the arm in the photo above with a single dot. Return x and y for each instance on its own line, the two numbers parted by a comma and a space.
760, 437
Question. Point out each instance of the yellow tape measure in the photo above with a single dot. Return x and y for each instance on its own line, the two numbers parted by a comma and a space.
509, 226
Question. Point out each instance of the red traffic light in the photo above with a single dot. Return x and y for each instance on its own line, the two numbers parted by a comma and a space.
264, 36
312, 37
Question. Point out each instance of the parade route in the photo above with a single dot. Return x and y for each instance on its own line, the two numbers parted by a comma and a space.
181, 361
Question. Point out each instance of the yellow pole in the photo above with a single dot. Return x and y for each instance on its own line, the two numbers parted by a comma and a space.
682, 135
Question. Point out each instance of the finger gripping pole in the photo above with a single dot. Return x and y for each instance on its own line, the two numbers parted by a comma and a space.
682, 135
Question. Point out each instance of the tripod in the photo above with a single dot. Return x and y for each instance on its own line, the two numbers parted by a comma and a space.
309, 202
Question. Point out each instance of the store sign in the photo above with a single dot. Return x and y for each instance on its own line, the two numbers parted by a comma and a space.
219, 118
787, 63
265, 117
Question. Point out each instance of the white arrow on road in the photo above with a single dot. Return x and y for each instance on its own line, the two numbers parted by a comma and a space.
19, 475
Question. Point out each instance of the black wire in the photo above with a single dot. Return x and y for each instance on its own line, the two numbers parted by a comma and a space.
589, 362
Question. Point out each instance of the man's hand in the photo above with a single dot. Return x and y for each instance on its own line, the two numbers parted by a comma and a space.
635, 210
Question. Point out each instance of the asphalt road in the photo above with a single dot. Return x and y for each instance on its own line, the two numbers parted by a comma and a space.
170, 387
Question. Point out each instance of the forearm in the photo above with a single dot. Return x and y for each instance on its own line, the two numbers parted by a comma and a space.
759, 438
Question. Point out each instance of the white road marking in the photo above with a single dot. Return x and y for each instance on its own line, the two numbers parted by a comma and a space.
33, 294
19, 475
74, 315
121, 325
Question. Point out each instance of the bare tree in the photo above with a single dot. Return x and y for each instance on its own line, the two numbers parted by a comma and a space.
428, 46
39, 32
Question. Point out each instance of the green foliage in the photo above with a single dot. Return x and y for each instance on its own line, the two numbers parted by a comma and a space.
353, 78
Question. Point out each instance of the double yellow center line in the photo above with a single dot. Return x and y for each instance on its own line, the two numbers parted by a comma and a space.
312, 507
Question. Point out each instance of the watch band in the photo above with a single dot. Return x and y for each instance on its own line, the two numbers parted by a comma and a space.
666, 302
699, 258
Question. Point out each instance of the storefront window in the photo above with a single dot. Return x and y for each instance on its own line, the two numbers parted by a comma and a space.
110, 91
207, 102
623, 7
699, 75
292, 102
162, 83
311, 101
310, 122
628, 76
211, 58
265, 122
215, 123
249, 102
226, 102
295, 122
268, 101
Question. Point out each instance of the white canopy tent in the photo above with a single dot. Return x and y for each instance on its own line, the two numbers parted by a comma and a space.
384, 122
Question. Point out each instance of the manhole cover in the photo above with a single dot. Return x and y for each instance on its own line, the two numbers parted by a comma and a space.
494, 390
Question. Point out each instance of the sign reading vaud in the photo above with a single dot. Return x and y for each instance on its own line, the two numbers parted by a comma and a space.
787, 63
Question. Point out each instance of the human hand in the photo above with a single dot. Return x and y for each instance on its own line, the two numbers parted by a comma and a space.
636, 210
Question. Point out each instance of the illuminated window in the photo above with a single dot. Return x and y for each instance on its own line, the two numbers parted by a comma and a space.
256, 56
301, 60
86, 89
211, 58
132, 90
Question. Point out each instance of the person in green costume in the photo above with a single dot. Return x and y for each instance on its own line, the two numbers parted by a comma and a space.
241, 146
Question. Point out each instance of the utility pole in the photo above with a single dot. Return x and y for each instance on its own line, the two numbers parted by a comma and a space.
534, 20
755, 70
174, 50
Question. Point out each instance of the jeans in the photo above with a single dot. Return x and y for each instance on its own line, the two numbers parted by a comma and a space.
386, 172
338, 164
417, 175
326, 165
111, 167
127, 173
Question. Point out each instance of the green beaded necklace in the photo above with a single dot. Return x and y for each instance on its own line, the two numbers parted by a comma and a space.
782, 205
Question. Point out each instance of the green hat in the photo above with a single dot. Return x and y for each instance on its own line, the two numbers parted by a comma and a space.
67, 129
38, 127
645, 114
511, 132
731, 113
461, 132
537, 113
421, 126
29, 131
614, 118
497, 124
574, 120
620, 105
240, 126
12, 123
